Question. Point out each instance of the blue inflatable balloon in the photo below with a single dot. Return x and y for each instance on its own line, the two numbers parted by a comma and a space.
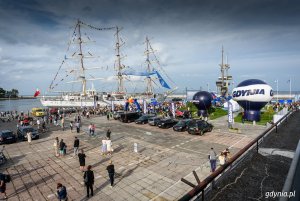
202, 100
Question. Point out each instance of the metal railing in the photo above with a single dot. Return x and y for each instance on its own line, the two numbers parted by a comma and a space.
292, 182
200, 188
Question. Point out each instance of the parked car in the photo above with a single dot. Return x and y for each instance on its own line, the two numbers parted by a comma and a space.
117, 114
7, 136
23, 130
167, 123
128, 117
182, 125
143, 119
199, 127
153, 121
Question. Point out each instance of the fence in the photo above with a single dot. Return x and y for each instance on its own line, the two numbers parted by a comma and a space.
200, 188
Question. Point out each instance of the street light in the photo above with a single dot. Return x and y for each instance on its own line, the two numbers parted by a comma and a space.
277, 88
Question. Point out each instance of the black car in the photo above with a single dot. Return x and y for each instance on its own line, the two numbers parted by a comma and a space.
199, 127
167, 123
128, 117
182, 125
143, 119
7, 136
23, 130
153, 121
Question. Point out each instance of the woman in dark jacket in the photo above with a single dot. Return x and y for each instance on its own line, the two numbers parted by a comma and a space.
61, 192
81, 157
89, 181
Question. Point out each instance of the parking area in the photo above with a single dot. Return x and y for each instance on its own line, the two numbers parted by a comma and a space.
154, 173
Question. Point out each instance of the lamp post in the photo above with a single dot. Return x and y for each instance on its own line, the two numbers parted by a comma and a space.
277, 89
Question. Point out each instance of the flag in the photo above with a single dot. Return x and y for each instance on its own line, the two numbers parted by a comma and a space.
162, 81
37, 92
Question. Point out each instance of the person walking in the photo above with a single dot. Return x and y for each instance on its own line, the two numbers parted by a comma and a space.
89, 181
104, 147
29, 137
61, 147
38, 123
3, 186
212, 159
56, 145
90, 129
222, 159
76, 146
62, 194
109, 146
78, 126
81, 157
108, 132
93, 129
107, 115
227, 154
62, 123
71, 126
111, 173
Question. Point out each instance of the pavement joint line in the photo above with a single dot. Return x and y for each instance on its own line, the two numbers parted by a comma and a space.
192, 150
98, 177
236, 142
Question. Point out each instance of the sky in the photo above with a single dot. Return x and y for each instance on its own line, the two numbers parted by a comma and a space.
260, 40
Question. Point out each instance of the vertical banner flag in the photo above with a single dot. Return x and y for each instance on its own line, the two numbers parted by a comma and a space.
145, 106
112, 106
173, 109
230, 114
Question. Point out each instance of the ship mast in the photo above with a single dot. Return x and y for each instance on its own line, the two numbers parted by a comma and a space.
82, 76
119, 66
149, 89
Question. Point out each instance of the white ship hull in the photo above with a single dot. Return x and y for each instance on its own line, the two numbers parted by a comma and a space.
68, 103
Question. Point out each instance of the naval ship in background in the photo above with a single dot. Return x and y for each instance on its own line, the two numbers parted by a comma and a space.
95, 98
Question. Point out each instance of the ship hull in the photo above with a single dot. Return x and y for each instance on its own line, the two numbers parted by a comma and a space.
67, 103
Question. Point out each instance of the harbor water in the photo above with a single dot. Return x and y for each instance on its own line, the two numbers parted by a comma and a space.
20, 105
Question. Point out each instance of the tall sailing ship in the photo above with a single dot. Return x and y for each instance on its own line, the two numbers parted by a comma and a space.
92, 97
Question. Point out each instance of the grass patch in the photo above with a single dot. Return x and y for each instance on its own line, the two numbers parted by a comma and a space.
217, 112
265, 116
213, 111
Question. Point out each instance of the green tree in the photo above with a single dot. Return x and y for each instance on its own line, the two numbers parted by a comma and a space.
2, 93
14, 93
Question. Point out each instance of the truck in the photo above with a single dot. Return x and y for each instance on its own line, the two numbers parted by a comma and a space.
37, 112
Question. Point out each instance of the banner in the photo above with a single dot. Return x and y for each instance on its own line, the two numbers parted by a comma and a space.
145, 106
230, 114
173, 109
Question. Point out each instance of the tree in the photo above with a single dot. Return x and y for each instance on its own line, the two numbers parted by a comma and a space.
14, 93
2, 93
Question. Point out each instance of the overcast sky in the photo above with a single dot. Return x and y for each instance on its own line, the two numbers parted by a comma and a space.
260, 39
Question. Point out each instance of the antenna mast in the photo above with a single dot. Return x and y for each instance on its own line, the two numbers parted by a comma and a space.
223, 81
119, 66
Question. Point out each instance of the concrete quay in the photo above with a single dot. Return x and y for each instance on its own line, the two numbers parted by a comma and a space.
154, 173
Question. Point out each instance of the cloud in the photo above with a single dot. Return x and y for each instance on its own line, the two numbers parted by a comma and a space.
260, 39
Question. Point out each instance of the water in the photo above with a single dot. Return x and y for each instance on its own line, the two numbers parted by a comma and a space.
24, 105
